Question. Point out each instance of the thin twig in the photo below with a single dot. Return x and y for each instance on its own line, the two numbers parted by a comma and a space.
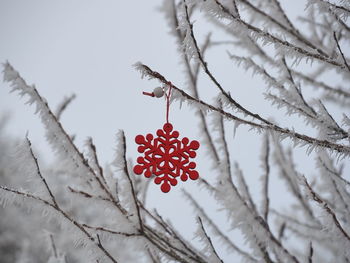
38, 172
266, 164
88, 195
78, 159
244, 188
166, 246
293, 32
234, 2
325, 206
65, 215
311, 252
103, 229
334, 172
340, 51
284, 15
216, 228
224, 143
64, 105
154, 258
211, 76
126, 171
193, 75
291, 220
289, 174
297, 90
274, 39
281, 231
100, 170
53, 246
209, 240
164, 226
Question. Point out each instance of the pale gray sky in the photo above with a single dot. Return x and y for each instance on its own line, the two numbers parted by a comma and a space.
88, 48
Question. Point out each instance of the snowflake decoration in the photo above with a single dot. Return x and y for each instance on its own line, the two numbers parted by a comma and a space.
166, 157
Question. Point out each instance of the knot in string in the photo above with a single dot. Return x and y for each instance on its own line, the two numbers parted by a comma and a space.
159, 92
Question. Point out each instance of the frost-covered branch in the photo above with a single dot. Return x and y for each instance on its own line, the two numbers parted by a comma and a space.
65, 215
101, 210
171, 13
215, 257
265, 156
55, 133
220, 234
269, 38
192, 45
340, 51
325, 206
312, 142
38, 172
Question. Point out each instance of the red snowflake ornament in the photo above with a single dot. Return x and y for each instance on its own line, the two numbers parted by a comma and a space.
166, 157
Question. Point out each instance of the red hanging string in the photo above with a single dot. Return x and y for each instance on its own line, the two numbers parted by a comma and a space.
166, 157
148, 94
168, 103
167, 99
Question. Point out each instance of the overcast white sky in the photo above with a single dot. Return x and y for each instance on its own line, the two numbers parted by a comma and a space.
88, 48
